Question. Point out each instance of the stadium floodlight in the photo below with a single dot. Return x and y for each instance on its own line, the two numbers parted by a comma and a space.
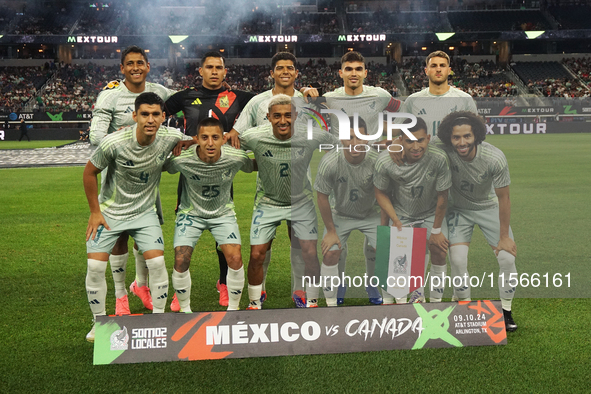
534, 34
1, 35
177, 39
444, 36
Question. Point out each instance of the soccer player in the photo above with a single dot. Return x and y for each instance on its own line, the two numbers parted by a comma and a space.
480, 196
419, 194
283, 156
284, 73
354, 96
112, 111
347, 173
211, 99
439, 99
135, 156
208, 168
368, 102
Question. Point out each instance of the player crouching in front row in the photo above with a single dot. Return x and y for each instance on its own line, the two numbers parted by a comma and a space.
209, 168
136, 155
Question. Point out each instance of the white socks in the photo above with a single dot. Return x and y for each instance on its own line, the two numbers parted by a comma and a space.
235, 283
158, 283
181, 281
141, 270
118, 265
96, 286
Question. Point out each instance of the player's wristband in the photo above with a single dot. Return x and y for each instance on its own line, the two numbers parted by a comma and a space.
436, 231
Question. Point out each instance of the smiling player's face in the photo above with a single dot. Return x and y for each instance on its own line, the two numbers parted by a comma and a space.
280, 118
135, 68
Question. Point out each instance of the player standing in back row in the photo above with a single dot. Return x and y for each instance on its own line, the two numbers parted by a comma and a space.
113, 110
211, 99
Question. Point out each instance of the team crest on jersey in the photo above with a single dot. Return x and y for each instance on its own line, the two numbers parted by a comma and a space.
372, 105
112, 84
454, 109
226, 174
482, 177
431, 174
224, 102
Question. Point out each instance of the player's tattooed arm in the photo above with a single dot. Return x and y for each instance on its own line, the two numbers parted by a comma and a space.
182, 258
506, 243
387, 207
91, 189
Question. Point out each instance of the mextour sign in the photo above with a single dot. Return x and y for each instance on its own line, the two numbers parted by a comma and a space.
285, 332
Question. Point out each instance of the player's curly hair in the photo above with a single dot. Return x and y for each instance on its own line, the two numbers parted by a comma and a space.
282, 56
352, 57
460, 118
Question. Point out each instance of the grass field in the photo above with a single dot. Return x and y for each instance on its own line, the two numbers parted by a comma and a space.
45, 316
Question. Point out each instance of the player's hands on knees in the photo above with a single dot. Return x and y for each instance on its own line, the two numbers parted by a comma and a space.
181, 146
439, 241
96, 220
330, 239
233, 137
397, 157
508, 245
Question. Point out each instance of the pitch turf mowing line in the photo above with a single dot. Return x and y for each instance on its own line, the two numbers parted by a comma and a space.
43, 217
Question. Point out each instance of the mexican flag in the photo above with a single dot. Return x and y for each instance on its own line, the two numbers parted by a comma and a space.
400, 259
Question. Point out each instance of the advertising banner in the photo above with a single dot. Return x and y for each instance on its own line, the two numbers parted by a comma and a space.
286, 332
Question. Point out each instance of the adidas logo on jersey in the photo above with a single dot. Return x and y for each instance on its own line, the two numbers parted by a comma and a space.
181, 291
196, 102
232, 236
163, 296
119, 270
236, 292
159, 241
129, 163
313, 231
128, 110
94, 302
195, 177
422, 112
341, 180
268, 154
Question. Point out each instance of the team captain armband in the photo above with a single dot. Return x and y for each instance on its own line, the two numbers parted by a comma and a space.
393, 105
112, 84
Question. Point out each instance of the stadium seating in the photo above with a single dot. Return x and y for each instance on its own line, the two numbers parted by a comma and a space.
498, 20
572, 16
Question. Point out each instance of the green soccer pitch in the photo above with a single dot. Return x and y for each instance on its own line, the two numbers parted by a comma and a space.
45, 316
